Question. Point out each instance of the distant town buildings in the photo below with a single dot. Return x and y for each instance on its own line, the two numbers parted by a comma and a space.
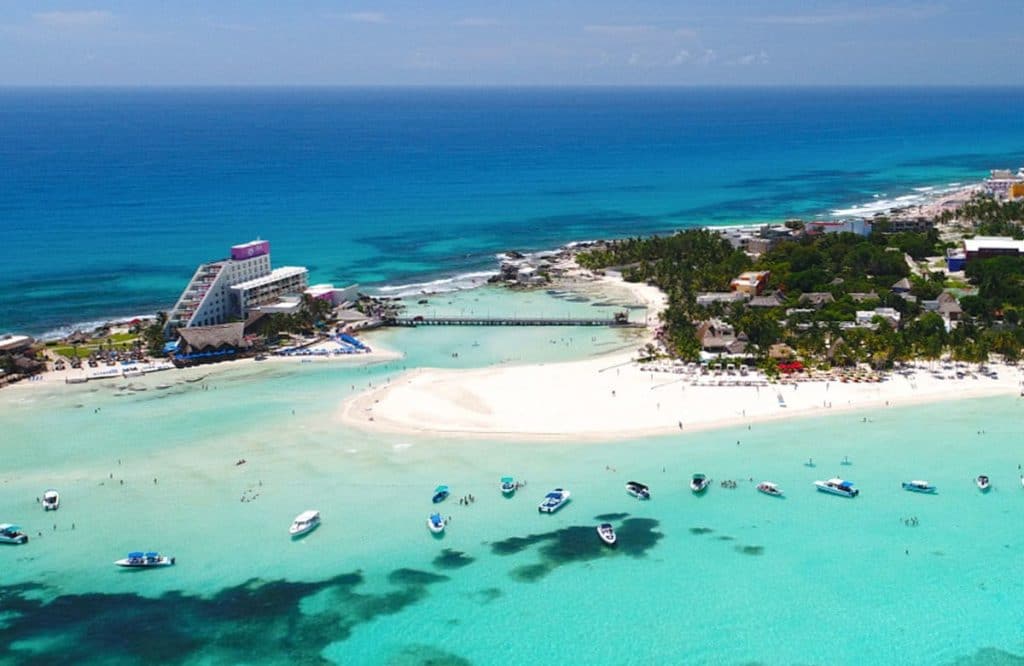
1004, 184
986, 247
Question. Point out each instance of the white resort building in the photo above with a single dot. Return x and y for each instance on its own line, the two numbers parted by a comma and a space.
230, 288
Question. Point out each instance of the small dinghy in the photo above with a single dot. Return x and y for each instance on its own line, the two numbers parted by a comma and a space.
436, 523
51, 500
607, 533
769, 488
918, 486
440, 494
984, 485
638, 490
508, 486
699, 483
140, 560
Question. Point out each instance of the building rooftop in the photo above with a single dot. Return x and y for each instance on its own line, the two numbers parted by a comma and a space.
274, 275
982, 243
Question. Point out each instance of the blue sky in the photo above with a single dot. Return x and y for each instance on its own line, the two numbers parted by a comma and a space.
589, 42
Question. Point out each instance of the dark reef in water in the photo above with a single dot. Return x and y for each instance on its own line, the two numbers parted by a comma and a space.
427, 655
233, 626
578, 543
452, 559
604, 517
701, 530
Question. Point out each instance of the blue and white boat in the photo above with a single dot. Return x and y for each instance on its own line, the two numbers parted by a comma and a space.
918, 486
436, 523
699, 483
837, 486
607, 533
140, 560
508, 485
983, 482
554, 500
441, 493
10, 533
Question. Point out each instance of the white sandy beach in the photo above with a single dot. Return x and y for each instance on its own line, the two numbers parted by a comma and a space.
613, 397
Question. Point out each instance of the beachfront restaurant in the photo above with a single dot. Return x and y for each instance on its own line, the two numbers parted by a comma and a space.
204, 344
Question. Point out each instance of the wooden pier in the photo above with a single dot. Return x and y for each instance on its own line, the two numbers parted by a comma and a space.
614, 322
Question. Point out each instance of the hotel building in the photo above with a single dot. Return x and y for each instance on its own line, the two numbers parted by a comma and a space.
227, 289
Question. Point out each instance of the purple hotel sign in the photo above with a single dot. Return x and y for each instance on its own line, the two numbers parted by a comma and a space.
250, 250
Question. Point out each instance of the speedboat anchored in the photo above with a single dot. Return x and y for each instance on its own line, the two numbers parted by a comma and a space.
304, 523
769, 488
554, 500
607, 533
837, 486
12, 534
51, 500
983, 483
436, 523
917, 486
140, 560
699, 483
508, 486
638, 490
440, 494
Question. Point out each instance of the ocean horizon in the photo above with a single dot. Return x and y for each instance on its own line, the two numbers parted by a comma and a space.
111, 196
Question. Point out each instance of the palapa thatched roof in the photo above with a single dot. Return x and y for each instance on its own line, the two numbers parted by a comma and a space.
200, 338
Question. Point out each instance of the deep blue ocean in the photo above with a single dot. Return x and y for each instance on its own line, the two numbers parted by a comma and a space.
110, 197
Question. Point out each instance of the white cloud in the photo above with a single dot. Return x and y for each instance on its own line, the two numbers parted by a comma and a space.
760, 58
706, 58
681, 58
865, 15
687, 33
618, 30
89, 18
366, 17
476, 22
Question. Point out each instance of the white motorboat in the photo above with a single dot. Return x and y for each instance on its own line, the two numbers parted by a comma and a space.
304, 523
51, 500
837, 486
1022, 480
607, 533
140, 560
12, 534
699, 483
769, 488
436, 523
638, 490
983, 483
508, 485
554, 500
918, 486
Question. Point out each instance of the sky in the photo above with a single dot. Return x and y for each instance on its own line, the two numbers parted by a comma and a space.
511, 42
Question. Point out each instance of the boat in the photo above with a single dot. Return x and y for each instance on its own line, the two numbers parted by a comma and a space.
607, 533
51, 500
436, 523
917, 486
304, 523
554, 500
440, 494
983, 483
769, 488
638, 490
837, 486
140, 560
1022, 480
12, 534
508, 485
699, 483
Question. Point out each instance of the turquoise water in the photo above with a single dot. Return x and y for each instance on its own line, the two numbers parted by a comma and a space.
132, 188
731, 577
